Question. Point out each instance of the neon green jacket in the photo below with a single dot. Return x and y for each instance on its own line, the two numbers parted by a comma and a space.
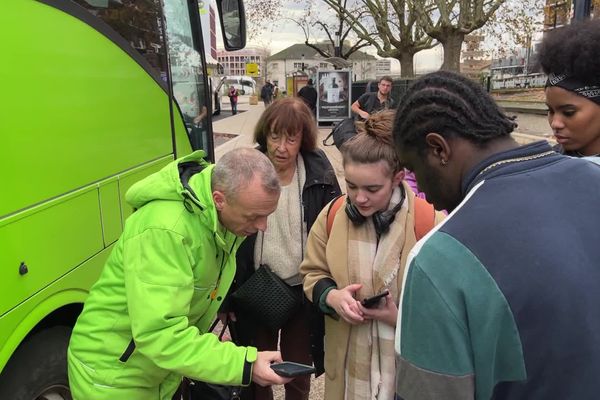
144, 324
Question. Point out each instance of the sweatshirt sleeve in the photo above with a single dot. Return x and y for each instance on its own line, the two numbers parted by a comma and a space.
159, 287
456, 336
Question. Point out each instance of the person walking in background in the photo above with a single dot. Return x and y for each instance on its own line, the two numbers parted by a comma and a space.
358, 248
287, 134
233, 99
266, 93
570, 58
371, 102
309, 95
145, 322
500, 301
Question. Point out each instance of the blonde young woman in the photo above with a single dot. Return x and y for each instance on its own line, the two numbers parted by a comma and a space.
362, 253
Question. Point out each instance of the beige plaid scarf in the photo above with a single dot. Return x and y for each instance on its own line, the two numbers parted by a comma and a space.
370, 363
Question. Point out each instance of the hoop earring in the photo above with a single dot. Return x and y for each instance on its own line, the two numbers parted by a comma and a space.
444, 162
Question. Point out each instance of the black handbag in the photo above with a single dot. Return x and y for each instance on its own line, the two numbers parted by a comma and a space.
197, 390
344, 130
208, 391
267, 298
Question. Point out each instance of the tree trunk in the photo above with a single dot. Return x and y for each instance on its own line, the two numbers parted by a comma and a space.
452, 44
407, 69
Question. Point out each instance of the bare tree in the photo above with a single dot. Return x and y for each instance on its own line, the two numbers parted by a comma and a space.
391, 26
514, 25
335, 28
260, 15
448, 21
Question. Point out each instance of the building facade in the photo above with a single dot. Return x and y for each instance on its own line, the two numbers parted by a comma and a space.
300, 59
383, 67
234, 62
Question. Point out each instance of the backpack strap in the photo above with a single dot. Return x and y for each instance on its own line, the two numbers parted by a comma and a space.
333, 209
370, 104
424, 217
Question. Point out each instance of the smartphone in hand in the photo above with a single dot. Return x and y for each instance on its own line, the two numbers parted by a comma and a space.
289, 369
373, 301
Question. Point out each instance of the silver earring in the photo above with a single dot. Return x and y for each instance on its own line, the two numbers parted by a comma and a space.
443, 162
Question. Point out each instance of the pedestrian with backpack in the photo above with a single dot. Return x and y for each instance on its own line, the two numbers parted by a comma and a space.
356, 249
266, 93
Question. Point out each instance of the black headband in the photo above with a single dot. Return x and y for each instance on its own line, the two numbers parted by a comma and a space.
589, 91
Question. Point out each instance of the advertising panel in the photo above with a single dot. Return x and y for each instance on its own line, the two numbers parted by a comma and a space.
333, 103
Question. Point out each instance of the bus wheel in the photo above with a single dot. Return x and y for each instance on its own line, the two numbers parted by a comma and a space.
38, 369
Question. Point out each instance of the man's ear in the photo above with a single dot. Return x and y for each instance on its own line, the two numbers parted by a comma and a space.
438, 147
219, 199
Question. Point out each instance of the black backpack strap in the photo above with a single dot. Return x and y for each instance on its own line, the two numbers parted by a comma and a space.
370, 104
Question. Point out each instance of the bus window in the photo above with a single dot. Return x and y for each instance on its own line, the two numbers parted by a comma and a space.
138, 23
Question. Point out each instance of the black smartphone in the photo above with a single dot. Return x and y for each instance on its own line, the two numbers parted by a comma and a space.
291, 369
372, 301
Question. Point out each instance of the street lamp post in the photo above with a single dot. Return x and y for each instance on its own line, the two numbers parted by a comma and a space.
338, 46
302, 62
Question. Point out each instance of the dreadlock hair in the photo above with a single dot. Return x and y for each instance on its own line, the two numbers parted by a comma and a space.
573, 50
452, 106
373, 142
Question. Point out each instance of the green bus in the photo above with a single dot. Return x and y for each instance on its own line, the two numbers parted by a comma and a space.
96, 94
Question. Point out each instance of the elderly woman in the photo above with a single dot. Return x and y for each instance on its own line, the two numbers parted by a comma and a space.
287, 133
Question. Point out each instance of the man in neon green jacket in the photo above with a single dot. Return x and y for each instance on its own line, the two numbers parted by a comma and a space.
144, 324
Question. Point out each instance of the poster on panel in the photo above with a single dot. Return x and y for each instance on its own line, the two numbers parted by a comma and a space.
333, 102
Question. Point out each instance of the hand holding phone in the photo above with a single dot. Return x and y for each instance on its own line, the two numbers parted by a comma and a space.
291, 369
373, 301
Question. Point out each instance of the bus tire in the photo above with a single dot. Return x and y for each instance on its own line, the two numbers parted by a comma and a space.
38, 369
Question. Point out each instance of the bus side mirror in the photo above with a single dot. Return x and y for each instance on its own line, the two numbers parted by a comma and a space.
233, 23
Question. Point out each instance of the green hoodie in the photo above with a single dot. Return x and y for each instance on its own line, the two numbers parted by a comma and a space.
144, 323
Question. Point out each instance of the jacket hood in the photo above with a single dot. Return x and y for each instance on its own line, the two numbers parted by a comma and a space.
166, 184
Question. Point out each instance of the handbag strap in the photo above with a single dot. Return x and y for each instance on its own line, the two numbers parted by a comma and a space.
214, 325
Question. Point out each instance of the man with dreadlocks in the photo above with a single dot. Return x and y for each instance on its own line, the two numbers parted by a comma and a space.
500, 301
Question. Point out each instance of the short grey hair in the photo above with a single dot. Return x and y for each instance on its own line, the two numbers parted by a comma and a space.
236, 169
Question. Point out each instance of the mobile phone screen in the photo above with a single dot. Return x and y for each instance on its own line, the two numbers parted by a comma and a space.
290, 369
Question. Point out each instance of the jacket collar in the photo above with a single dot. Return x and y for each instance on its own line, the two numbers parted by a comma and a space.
515, 160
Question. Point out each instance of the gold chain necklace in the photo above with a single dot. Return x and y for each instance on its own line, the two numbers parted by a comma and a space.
516, 159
